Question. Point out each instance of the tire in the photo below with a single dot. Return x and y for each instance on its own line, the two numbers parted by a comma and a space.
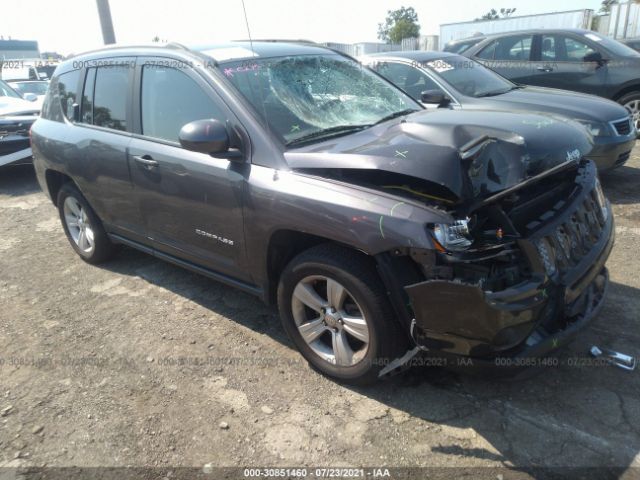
362, 299
631, 101
96, 246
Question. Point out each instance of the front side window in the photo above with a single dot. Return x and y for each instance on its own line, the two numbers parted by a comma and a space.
408, 78
110, 97
314, 96
575, 50
171, 99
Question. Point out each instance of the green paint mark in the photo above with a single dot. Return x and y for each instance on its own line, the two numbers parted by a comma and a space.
380, 224
394, 207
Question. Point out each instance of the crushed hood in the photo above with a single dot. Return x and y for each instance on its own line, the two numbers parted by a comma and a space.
471, 154
17, 106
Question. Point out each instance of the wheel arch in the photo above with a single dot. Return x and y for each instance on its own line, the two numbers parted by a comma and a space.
633, 88
284, 245
54, 181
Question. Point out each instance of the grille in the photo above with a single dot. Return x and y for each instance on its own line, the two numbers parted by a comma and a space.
623, 157
573, 239
623, 127
13, 145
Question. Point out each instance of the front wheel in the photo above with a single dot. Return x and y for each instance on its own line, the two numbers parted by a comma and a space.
631, 102
335, 310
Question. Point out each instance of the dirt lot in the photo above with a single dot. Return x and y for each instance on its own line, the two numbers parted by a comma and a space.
139, 363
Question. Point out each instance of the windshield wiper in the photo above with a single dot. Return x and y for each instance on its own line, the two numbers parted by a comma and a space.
495, 93
397, 114
328, 132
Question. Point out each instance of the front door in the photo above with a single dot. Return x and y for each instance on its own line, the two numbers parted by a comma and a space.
191, 202
561, 64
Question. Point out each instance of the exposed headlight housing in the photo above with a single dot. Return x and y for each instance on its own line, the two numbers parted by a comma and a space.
453, 236
602, 201
547, 255
596, 129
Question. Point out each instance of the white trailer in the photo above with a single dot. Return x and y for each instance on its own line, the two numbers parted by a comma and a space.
624, 20
570, 19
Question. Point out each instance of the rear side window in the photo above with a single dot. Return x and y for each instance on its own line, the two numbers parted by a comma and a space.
110, 89
408, 78
170, 100
513, 48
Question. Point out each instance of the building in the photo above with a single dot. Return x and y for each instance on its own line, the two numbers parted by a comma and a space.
18, 49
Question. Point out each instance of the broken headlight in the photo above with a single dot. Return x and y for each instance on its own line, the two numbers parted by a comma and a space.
596, 129
452, 236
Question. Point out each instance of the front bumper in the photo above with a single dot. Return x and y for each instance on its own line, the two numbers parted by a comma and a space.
532, 317
612, 152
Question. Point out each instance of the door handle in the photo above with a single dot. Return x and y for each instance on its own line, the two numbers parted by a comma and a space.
146, 161
545, 69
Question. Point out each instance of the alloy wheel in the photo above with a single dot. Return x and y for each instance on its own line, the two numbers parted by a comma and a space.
633, 107
330, 321
79, 225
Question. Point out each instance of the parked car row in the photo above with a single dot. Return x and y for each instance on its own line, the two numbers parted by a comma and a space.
578, 60
380, 228
445, 80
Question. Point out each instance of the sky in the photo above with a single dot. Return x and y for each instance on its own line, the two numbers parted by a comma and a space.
72, 26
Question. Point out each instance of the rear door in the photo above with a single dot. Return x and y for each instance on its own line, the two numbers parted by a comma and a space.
102, 137
510, 56
191, 202
560, 63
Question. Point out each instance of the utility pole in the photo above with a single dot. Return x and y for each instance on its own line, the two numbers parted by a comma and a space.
104, 12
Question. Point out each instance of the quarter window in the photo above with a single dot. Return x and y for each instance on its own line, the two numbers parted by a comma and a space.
171, 99
67, 92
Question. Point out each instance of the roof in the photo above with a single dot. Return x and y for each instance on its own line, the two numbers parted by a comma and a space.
414, 55
532, 31
247, 50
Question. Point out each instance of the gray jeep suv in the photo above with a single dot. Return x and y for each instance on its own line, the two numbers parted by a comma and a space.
292, 172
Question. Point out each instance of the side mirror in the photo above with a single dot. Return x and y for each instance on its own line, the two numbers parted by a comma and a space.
30, 97
437, 97
205, 136
595, 57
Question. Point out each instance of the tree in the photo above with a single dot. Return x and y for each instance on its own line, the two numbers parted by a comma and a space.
400, 24
493, 14
606, 6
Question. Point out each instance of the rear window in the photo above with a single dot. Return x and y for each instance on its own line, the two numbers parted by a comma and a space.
459, 47
61, 97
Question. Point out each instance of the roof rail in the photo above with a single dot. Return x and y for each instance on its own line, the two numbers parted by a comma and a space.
276, 40
176, 46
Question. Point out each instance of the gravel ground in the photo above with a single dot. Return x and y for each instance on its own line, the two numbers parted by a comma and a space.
140, 363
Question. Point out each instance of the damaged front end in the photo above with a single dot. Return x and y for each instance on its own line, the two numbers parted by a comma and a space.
519, 267
530, 274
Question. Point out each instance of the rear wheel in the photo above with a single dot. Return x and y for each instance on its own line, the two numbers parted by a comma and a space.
631, 102
82, 226
335, 310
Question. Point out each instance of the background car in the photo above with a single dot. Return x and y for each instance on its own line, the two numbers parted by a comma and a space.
572, 59
455, 81
34, 87
16, 117
633, 43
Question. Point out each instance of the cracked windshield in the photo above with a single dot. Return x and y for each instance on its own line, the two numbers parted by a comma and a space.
311, 97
